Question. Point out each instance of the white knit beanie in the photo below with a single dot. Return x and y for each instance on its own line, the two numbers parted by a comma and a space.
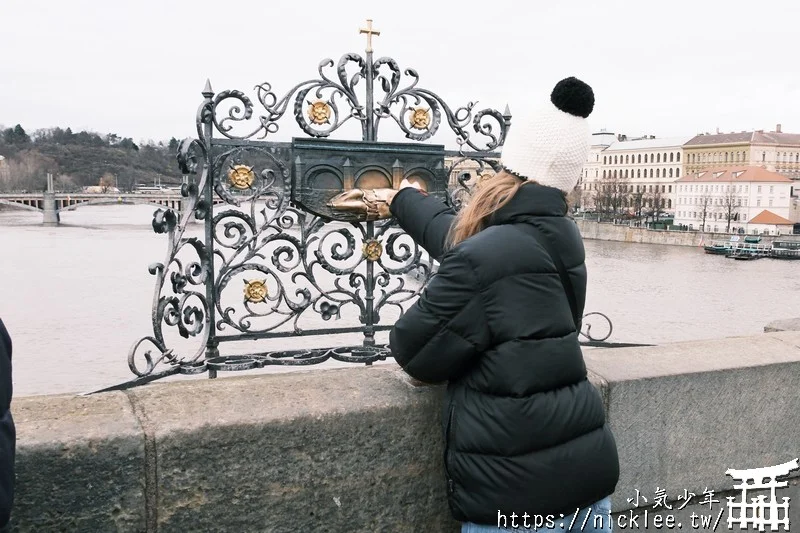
550, 145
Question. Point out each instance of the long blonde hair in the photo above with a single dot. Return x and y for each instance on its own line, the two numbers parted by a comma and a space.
490, 196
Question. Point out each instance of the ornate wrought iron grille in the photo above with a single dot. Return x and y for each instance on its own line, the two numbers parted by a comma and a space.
271, 263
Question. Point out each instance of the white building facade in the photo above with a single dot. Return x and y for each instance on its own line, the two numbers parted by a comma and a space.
641, 173
707, 199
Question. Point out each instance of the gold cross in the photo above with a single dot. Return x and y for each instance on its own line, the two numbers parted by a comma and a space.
370, 32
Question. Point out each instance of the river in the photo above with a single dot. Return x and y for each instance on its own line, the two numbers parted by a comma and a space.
75, 297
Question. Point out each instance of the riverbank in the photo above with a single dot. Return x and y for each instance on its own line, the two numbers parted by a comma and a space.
607, 231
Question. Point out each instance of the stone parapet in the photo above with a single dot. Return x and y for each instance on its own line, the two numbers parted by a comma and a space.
360, 449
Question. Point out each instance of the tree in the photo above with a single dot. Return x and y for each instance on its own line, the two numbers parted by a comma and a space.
573, 198
729, 205
106, 182
706, 203
655, 201
608, 197
637, 201
173, 145
20, 137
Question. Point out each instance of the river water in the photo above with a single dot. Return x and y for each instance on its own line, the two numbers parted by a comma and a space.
76, 297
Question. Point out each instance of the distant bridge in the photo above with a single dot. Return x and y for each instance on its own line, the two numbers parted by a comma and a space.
51, 204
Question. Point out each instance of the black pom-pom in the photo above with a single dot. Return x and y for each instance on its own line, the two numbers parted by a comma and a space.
573, 96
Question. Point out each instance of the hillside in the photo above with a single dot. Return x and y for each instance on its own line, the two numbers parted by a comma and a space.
81, 159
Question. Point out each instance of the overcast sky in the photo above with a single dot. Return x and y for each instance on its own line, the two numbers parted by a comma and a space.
662, 68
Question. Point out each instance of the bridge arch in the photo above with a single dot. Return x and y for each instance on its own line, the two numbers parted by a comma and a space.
20, 205
170, 204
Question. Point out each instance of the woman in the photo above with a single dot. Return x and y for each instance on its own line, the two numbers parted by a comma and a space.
526, 441
7, 431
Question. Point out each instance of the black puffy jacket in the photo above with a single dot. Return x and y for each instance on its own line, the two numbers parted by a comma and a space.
525, 431
7, 430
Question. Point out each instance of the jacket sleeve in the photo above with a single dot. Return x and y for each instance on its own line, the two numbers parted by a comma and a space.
446, 328
7, 430
425, 218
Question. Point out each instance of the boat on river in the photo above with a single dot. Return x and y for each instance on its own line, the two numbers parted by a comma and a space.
785, 249
750, 250
719, 247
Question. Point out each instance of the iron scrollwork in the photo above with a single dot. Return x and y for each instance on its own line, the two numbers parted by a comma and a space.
265, 267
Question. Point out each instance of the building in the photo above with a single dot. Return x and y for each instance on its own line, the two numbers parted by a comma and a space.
591, 171
776, 151
635, 176
748, 199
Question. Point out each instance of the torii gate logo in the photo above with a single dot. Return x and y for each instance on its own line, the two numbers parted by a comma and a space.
760, 512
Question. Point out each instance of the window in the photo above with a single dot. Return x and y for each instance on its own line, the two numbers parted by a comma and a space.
604, 174
726, 157
759, 189
651, 172
640, 158
758, 202
657, 173
770, 202
664, 188
645, 158
678, 158
626, 159
763, 156
771, 189
639, 172
604, 160
671, 157
669, 204
615, 160
670, 188
615, 173
658, 158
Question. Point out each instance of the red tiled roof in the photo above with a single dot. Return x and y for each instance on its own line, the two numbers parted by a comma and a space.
741, 174
768, 217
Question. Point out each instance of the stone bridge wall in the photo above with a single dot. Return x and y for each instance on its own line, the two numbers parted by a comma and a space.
360, 449
607, 231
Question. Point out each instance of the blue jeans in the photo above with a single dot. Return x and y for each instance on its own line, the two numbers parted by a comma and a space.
596, 517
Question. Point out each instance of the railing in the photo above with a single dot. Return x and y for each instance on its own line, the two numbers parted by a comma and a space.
276, 262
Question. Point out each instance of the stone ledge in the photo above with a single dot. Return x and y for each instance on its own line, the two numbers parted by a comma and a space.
684, 413
360, 449
79, 464
791, 324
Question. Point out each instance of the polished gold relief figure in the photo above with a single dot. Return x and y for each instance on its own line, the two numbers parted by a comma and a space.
319, 112
372, 250
255, 291
241, 177
420, 118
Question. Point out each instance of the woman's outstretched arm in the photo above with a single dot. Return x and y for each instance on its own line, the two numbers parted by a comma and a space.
425, 218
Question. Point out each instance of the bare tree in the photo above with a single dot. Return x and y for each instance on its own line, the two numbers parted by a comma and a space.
609, 195
106, 182
706, 205
729, 206
574, 198
655, 202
